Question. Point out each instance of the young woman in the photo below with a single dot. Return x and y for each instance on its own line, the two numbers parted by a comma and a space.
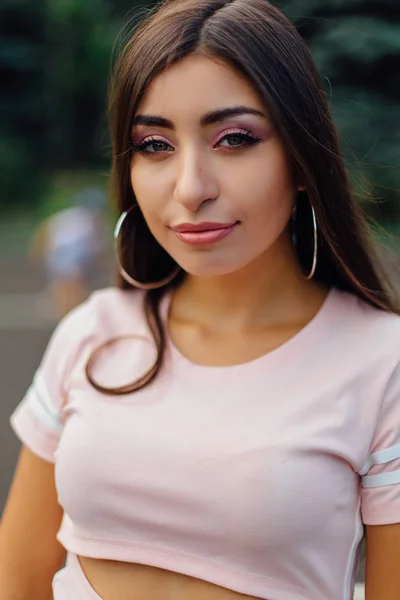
226, 423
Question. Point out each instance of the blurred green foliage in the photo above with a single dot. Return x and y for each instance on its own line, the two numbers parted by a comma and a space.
55, 57
356, 46
55, 62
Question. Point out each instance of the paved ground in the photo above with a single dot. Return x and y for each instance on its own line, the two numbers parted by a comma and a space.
24, 331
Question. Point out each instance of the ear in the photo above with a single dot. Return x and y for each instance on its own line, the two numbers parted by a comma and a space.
301, 188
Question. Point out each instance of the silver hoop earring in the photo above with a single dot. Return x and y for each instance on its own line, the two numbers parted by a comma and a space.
128, 278
315, 236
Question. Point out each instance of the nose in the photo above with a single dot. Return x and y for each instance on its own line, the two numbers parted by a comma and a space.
195, 181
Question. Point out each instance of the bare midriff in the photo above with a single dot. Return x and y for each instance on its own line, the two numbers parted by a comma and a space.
115, 580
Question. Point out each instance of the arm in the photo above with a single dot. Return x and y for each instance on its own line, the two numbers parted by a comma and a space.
380, 489
383, 562
29, 552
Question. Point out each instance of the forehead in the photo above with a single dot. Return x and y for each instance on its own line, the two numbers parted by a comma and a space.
197, 85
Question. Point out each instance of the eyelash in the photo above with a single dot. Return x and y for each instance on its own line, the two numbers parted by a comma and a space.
245, 136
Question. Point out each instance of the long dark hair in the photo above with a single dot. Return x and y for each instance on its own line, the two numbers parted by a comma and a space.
260, 42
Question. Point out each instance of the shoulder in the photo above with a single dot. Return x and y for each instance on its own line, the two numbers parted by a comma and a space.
116, 311
111, 297
106, 313
375, 330
364, 314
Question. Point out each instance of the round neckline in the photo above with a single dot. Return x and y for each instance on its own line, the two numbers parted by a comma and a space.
279, 356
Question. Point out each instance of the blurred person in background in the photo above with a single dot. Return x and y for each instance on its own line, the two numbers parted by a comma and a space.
68, 245
225, 424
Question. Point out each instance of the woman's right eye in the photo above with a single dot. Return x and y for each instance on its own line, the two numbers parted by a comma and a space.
152, 146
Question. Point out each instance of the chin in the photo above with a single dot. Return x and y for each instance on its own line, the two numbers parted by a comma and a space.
208, 268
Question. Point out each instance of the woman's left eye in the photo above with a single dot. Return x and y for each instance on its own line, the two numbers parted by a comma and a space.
237, 140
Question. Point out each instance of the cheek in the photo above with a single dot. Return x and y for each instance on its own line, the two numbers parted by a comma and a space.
149, 191
266, 188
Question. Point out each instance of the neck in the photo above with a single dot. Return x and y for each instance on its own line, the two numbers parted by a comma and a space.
267, 291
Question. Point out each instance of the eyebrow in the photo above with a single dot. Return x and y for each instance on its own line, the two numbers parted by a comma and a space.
209, 119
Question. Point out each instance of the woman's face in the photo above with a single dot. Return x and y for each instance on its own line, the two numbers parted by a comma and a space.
207, 155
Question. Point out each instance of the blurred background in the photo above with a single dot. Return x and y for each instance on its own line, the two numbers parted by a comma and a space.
55, 58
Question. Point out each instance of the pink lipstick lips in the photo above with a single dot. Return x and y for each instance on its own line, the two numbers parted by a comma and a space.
203, 233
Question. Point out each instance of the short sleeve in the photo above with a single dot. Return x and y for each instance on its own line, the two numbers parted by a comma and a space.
37, 420
380, 481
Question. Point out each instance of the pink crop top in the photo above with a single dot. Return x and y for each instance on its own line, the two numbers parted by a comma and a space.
257, 477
